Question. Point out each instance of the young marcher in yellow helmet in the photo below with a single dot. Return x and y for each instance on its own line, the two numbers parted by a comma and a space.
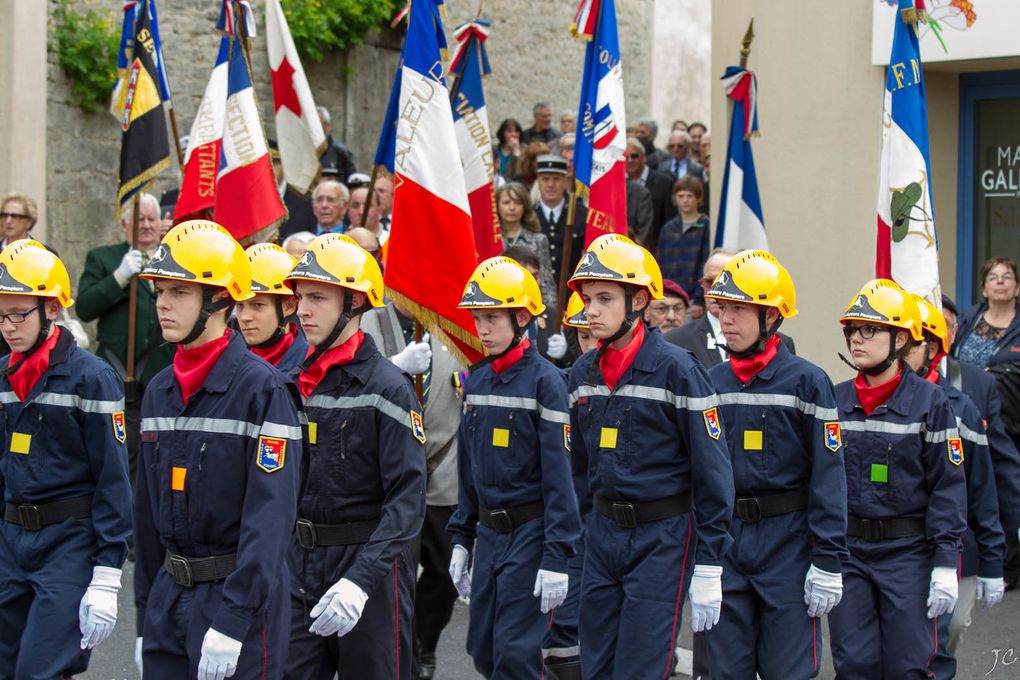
219, 471
650, 456
516, 507
783, 573
63, 475
268, 321
352, 555
905, 495
575, 323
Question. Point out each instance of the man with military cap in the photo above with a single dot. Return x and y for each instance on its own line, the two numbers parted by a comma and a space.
552, 211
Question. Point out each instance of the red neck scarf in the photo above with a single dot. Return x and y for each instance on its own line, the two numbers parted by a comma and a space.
192, 366
27, 374
615, 362
933, 374
504, 362
746, 368
275, 353
336, 356
873, 396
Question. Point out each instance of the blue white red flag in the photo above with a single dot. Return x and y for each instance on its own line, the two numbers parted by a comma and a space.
907, 246
471, 123
741, 225
601, 141
126, 49
431, 249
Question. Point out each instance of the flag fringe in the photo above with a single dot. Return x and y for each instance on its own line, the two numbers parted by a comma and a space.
438, 326
140, 182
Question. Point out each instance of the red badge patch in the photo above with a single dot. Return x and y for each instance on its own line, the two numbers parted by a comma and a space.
566, 438
119, 431
271, 453
833, 436
712, 423
955, 445
417, 427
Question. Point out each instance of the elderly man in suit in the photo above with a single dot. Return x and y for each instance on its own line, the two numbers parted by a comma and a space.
681, 162
103, 294
393, 332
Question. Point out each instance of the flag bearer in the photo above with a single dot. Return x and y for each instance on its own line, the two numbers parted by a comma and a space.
984, 542
789, 516
63, 475
268, 320
649, 442
352, 592
218, 476
905, 496
516, 506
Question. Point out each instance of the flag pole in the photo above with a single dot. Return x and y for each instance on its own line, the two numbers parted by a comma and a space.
177, 136
368, 195
745, 50
129, 379
568, 242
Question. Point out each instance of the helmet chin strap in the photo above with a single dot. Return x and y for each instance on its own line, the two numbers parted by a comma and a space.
209, 307
44, 332
764, 335
879, 368
347, 314
518, 338
281, 327
630, 318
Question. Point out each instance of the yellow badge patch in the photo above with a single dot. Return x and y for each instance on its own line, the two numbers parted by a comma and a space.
752, 440
313, 432
955, 445
20, 442
271, 453
500, 437
607, 439
119, 431
417, 427
177, 475
566, 438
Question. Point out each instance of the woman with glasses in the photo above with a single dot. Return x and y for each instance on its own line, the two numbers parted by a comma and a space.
18, 214
988, 331
906, 496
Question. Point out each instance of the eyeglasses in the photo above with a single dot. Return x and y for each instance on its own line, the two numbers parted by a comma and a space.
14, 216
633, 156
677, 309
867, 331
706, 282
18, 317
992, 278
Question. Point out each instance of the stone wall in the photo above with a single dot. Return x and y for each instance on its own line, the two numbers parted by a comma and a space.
532, 55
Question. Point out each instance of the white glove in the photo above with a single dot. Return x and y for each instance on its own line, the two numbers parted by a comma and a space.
556, 348
459, 571
339, 609
942, 591
822, 591
130, 265
97, 613
414, 358
219, 656
551, 586
138, 656
989, 591
706, 597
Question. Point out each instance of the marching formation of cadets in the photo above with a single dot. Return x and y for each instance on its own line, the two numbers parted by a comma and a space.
281, 477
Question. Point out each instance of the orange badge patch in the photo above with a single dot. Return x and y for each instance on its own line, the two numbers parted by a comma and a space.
955, 445
417, 427
712, 423
833, 437
271, 453
119, 430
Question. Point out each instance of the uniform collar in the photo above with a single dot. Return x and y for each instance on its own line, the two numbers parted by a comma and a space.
773, 366
903, 397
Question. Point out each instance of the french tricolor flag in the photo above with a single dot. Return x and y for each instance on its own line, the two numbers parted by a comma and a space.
741, 225
202, 158
431, 249
908, 246
471, 123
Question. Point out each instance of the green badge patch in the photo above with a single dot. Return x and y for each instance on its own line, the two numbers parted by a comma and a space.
879, 473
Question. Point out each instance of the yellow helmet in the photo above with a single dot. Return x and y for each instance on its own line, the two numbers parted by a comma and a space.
28, 268
270, 264
338, 260
202, 252
933, 322
757, 278
613, 257
575, 316
883, 302
501, 283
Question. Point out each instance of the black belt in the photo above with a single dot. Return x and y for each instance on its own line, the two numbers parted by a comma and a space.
187, 571
33, 517
883, 529
311, 535
756, 508
505, 520
629, 514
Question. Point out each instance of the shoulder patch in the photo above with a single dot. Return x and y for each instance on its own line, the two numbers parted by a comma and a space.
417, 427
566, 438
955, 446
833, 436
712, 422
271, 453
119, 430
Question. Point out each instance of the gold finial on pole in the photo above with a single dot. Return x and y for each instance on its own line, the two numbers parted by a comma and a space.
745, 51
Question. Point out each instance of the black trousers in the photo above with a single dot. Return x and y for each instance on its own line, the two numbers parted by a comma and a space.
435, 594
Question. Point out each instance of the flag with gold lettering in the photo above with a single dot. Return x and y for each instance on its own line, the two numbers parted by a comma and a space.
144, 146
125, 53
907, 245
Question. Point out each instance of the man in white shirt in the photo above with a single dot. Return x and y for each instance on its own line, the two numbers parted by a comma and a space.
552, 210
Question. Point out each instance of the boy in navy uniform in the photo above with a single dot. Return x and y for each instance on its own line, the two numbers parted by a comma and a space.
789, 520
650, 455
352, 592
218, 476
267, 321
516, 506
63, 475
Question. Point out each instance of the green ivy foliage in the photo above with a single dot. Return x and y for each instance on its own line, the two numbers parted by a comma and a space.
322, 26
86, 42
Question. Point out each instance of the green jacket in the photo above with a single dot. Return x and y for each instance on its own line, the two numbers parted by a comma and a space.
101, 297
